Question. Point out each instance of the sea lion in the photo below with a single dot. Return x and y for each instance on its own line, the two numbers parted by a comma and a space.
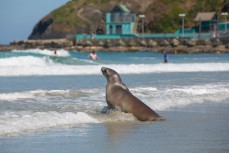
120, 98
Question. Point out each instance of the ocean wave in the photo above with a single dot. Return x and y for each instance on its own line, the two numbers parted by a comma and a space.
49, 93
177, 97
60, 52
43, 109
25, 61
57, 100
161, 99
20, 122
30, 65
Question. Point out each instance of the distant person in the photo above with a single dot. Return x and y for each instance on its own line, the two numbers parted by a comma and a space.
55, 53
165, 57
84, 36
93, 55
92, 35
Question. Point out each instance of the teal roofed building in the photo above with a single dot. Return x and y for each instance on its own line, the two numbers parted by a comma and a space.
120, 21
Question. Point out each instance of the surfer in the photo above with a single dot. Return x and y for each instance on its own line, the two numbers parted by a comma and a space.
55, 53
93, 55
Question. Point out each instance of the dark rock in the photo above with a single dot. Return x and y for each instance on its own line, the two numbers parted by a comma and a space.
101, 43
88, 43
227, 46
79, 42
164, 42
143, 43
132, 43
121, 43
175, 42
191, 43
216, 42
108, 44
152, 43
208, 42
203, 42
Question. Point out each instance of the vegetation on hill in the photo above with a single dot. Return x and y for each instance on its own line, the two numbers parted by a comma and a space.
169, 21
86, 16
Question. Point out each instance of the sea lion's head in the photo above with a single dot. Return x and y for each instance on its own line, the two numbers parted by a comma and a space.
111, 75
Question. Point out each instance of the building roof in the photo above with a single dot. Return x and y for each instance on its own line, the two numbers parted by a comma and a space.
205, 16
120, 8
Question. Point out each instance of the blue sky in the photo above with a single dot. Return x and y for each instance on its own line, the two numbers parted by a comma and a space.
18, 17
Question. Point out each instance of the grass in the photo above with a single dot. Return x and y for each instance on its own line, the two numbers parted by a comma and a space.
169, 22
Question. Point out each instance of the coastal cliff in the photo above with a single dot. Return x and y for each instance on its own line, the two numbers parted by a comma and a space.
86, 16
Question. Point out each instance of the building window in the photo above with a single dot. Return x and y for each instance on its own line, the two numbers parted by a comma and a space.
118, 29
111, 29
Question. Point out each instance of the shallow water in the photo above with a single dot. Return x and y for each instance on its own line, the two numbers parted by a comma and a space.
52, 104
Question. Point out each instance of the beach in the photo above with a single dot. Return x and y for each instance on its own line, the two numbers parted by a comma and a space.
53, 104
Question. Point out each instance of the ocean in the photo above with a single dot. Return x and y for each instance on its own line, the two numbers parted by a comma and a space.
53, 104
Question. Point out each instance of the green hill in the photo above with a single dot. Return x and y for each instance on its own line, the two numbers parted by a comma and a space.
86, 16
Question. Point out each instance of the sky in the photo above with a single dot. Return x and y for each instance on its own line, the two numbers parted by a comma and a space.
18, 17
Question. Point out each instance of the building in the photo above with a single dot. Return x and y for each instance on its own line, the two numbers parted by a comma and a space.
120, 21
207, 21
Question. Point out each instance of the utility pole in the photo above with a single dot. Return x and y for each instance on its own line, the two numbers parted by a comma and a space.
225, 14
142, 17
182, 15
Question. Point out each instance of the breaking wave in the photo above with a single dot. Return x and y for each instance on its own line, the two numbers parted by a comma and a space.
31, 65
20, 122
42, 109
60, 52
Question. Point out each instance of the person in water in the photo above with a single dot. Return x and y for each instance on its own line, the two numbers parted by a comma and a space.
165, 57
55, 53
93, 55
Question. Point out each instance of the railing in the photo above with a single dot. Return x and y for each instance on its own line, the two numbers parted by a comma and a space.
105, 36
177, 35
146, 36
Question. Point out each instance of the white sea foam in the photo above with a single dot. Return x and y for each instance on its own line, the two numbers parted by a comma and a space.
207, 89
166, 99
161, 99
60, 52
15, 96
37, 93
159, 68
19, 122
30, 65
60, 113
24, 61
